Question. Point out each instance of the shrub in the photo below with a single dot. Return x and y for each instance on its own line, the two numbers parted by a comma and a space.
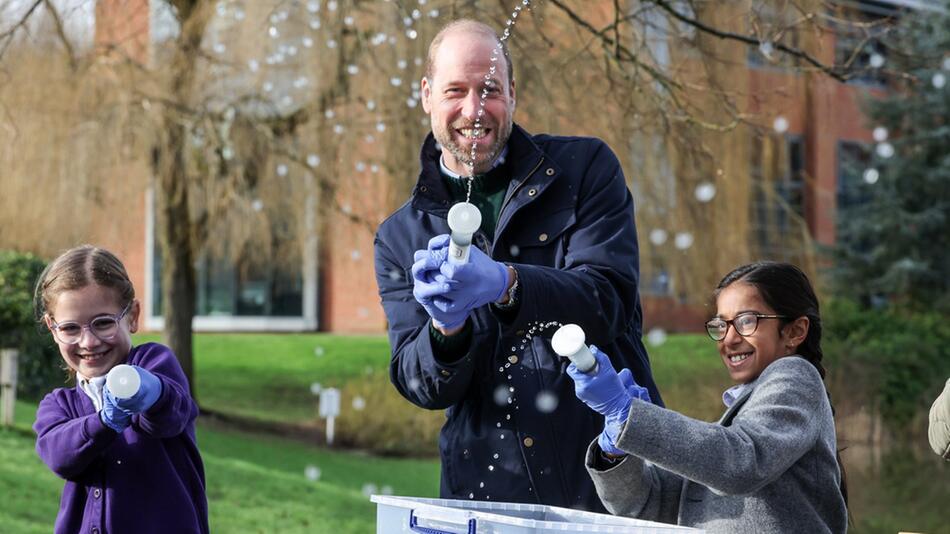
40, 367
388, 424
891, 358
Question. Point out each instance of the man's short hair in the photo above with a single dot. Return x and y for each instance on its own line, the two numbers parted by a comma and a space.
469, 25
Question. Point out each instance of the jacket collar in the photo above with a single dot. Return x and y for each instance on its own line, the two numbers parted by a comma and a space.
431, 194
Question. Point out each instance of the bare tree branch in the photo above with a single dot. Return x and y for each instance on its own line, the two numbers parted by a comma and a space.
7, 36
61, 33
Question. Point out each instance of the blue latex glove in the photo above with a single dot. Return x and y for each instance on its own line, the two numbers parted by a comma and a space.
111, 415
478, 282
606, 392
430, 286
150, 389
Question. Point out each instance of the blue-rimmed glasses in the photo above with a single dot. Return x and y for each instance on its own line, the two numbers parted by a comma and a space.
103, 327
745, 324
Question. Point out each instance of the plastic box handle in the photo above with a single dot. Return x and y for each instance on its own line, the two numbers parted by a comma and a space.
414, 526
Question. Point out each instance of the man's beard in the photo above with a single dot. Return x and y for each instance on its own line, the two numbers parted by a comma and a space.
463, 154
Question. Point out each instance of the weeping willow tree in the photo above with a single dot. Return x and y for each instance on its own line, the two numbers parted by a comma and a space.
268, 129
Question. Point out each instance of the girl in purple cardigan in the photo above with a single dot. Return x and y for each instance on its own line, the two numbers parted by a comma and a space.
130, 464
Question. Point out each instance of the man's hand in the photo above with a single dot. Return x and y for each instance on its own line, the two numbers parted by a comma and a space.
150, 389
430, 286
478, 282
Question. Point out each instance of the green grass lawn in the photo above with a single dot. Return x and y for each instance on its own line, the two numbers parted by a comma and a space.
255, 483
268, 376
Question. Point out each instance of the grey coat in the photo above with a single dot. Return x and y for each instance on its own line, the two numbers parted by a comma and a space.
769, 465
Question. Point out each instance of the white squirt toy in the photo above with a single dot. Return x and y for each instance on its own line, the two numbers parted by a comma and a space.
123, 381
569, 342
464, 220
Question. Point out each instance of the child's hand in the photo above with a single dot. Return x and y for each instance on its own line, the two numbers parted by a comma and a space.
113, 416
150, 389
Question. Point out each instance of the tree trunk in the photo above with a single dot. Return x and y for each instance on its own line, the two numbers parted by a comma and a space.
175, 238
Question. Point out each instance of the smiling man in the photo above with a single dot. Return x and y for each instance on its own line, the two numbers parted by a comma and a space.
557, 244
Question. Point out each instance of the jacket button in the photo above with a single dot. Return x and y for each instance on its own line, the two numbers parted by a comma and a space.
519, 333
528, 442
543, 237
423, 188
444, 372
513, 359
549, 172
532, 192
96, 493
95, 530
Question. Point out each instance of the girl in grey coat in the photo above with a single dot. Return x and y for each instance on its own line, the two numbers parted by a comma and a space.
770, 464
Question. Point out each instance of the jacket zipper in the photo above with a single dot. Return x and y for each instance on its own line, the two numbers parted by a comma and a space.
515, 190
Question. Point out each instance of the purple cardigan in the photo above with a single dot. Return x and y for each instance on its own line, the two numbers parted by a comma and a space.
149, 478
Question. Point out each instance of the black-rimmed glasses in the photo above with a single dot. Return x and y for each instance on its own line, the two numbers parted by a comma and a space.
744, 323
104, 327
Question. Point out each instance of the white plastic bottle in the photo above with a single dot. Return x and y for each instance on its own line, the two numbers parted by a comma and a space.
569, 342
123, 381
464, 220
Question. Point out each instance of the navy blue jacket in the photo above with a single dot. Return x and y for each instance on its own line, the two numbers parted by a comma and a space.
567, 227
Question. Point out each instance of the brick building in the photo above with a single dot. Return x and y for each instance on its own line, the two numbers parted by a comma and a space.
334, 288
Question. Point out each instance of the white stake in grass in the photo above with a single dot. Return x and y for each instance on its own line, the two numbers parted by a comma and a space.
464, 220
569, 342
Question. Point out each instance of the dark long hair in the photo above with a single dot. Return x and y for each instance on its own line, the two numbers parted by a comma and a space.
787, 290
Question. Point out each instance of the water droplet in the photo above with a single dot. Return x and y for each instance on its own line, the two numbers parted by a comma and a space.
281, 170
471, 495
272, 31
316, 388
939, 80
780, 124
312, 473
369, 489
871, 175
414, 383
481, 484
656, 337
313, 160
658, 236
546, 402
359, 403
880, 134
705, 192
515, 251
353, 70
491, 468
501, 395
885, 150
876, 61
683, 240
253, 65
395, 82
495, 456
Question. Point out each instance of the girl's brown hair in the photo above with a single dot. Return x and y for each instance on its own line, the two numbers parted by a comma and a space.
77, 268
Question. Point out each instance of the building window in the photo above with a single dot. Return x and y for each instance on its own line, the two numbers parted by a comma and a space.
778, 182
271, 289
859, 25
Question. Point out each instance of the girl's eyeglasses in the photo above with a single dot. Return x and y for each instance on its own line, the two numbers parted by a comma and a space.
104, 327
744, 323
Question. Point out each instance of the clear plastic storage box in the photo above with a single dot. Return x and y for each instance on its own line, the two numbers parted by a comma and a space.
445, 516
